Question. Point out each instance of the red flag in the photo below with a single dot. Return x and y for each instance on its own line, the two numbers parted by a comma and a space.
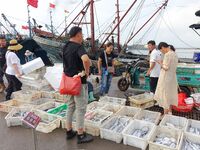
33, 3
25, 27
52, 5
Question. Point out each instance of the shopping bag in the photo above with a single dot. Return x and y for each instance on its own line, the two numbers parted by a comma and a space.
70, 85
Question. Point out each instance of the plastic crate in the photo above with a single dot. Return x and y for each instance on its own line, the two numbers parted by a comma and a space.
113, 100
27, 95
128, 111
191, 138
131, 140
49, 106
95, 105
154, 117
7, 106
169, 132
48, 122
100, 114
12, 120
110, 134
58, 109
142, 100
177, 122
112, 108
192, 123
184, 68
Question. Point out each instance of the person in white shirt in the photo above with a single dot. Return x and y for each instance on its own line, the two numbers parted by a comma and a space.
155, 67
13, 70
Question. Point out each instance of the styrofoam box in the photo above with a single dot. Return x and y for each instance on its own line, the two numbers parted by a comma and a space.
112, 108
7, 106
114, 100
170, 132
32, 65
192, 123
155, 116
48, 105
175, 120
190, 137
128, 111
54, 122
27, 95
131, 140
15, 121
109, 134
95, 105
106, 114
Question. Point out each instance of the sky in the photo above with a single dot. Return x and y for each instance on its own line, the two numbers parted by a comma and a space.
170, 25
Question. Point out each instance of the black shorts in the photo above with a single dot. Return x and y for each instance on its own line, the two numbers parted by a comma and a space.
153, 84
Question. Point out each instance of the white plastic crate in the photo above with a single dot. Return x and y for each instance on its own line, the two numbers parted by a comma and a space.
131, 140
7, 106
142, 100
149, 116
27, 95
190, 137
48, 122
174, 122
108, 134
193, 124
95, 105
170, 133
48, 105
13, 120
101, 116
113, 100
128, 111
112, 108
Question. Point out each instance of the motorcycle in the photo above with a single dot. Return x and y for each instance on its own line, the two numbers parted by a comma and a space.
134, 71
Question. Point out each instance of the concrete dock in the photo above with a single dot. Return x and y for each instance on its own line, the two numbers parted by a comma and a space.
20, 138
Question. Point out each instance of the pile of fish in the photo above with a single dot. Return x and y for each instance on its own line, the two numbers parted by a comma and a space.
140, 132
96, 117
20, 114
165, 140
194, 130
118, 124
62, 113
148, 119
188, 145
95, 106
173, 126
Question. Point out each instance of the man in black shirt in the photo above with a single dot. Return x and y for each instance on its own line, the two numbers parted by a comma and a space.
106, 68
76, 62
3, 50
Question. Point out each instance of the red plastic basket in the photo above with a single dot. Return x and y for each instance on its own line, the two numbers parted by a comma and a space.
182, 106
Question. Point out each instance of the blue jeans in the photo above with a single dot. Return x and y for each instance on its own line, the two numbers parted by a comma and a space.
106, 79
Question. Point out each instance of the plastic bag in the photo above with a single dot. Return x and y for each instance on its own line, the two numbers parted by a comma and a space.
70, 85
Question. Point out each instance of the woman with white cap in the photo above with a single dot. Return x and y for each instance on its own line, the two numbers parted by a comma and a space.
13, 70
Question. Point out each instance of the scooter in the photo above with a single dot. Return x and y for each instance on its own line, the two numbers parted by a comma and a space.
134, 76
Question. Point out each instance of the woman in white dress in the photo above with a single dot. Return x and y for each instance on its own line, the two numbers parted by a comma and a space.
166, 92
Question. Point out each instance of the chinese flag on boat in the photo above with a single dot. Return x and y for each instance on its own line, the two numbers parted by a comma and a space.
25, 27
33, 3
52, 5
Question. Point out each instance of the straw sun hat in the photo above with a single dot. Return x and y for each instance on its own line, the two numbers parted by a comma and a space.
14, 45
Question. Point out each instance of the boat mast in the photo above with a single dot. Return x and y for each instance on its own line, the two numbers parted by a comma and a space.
92, 25
118, 28
29, 22
51, 21
120, 20
11, 25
